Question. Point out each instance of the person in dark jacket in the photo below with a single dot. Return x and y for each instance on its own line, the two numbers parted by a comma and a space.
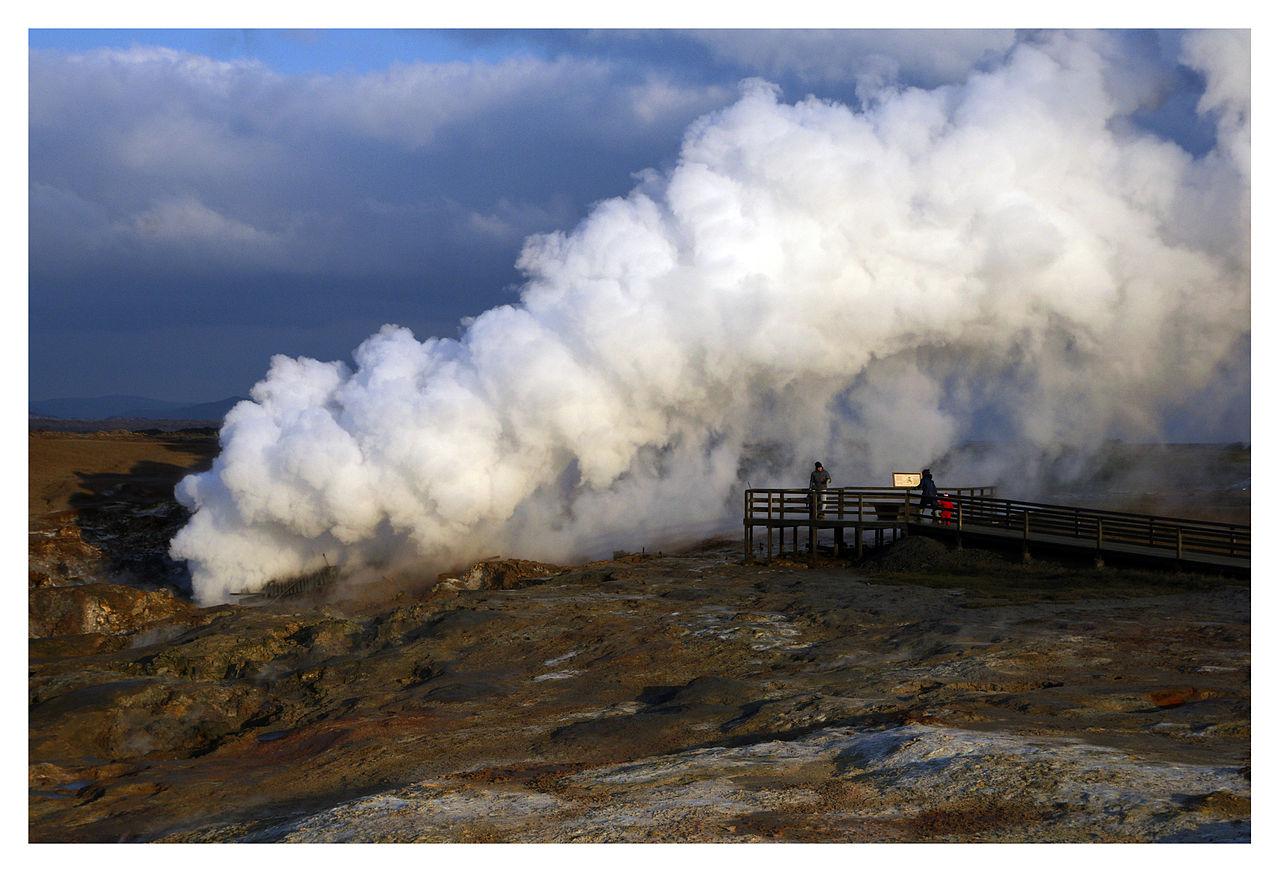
928, 492
818, 481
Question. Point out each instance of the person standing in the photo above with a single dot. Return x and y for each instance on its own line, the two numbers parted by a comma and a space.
928, 493
818, 481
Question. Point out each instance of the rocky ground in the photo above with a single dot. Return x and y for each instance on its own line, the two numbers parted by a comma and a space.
922, 695
101, 505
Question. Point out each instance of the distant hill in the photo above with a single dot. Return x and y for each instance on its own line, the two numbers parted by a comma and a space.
214, 411
131, 407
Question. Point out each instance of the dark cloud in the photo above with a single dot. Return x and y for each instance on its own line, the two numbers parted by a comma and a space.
174, 194
168, 189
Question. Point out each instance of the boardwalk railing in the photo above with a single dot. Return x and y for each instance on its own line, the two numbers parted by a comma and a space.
1179, 538
780, 507
844, 508
980, 511
280, 588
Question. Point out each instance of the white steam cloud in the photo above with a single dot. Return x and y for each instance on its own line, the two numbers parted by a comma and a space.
808, 282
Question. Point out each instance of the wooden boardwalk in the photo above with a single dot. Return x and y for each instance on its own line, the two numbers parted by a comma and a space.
978, 513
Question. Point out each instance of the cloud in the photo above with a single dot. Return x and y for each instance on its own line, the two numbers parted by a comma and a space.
413, 104
152, 138
186, 223
875, 57
658, 100
1223, 56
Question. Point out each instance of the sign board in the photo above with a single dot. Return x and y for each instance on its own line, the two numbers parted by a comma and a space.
906, 479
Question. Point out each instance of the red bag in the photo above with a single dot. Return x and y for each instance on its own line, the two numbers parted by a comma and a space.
946, 506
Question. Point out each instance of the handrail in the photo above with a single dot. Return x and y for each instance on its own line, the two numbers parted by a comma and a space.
979, 507
872, 505
1112, 512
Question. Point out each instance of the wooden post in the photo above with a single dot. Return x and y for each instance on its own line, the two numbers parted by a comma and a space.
858, 529
1026, 537
768, 549
959, 523
746, 527
1179, 546
1097, 558
839, 534
813, 530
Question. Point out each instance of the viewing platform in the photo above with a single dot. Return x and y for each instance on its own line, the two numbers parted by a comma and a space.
978, 514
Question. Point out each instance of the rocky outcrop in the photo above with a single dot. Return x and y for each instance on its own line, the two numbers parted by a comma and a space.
107, 609
137, 718
58, 555
495, 573
907, 783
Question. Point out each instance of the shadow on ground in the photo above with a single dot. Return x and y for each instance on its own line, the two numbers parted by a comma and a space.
131, 517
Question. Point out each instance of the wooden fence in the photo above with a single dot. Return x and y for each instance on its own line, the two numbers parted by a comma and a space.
858, 509
1102, 530
980, 511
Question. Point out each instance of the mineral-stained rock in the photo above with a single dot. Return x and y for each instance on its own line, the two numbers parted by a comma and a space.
583, 576
140, 717
908, 783
55, 647
211, 652
99, 608
58, 555
1172, 697
496, 573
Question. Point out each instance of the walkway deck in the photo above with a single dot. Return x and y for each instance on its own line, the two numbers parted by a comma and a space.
978, 513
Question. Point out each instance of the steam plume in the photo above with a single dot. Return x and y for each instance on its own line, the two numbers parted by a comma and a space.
808, 282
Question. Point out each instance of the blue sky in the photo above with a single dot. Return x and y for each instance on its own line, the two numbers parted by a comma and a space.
201, 200
299, 51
